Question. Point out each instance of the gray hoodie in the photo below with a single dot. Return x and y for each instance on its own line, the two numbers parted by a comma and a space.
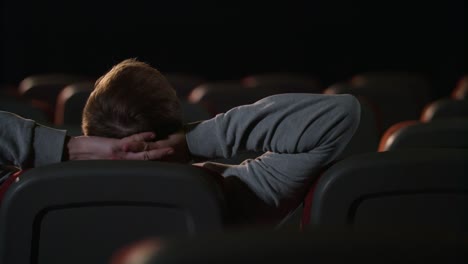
299, 133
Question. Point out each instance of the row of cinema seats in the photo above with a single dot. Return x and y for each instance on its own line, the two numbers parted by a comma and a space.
419, 184
319, 246
386, 98
59, 99
63, 95
382, 106
88, 211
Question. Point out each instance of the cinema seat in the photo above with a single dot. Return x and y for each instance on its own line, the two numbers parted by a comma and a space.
328, 246
420, 189
46, 87
442, 133
71, 102
283, 82
82, 211
445, 108
219, 97
398, 96
461, 90
183, 83
23, 108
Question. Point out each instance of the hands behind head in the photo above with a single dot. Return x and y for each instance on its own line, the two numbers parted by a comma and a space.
135, 147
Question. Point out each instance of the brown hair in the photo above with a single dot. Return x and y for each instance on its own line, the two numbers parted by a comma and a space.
132, 97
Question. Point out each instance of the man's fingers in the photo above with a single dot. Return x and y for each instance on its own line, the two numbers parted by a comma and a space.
137, 142
155, 154
139, 146
134, 146
144, 136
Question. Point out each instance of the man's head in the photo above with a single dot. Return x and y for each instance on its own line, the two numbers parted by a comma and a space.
132, 97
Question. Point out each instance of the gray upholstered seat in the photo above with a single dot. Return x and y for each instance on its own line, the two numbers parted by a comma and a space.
445, 108
82, 211
419, 189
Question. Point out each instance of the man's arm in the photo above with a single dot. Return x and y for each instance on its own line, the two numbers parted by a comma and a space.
27, 144
300, 133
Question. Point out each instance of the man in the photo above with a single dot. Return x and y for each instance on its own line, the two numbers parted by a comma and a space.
299, 133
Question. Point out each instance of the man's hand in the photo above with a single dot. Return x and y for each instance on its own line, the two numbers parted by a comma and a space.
175, 142
134, 147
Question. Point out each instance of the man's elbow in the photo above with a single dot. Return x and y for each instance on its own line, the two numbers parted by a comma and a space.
350, 109
347, 113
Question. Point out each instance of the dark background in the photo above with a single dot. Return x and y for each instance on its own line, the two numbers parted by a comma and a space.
230, 39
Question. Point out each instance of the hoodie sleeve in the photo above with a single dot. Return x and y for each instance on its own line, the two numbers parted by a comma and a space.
299, 133
26, 144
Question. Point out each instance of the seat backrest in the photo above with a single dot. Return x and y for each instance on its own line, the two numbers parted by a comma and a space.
193, 112
23, 108
183, 83
71, 102
423, 189
461, 90
284, 82
398, 96
46, 87
445, 108
313, 246
219, 97
409, 83
82, 211
442, 133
